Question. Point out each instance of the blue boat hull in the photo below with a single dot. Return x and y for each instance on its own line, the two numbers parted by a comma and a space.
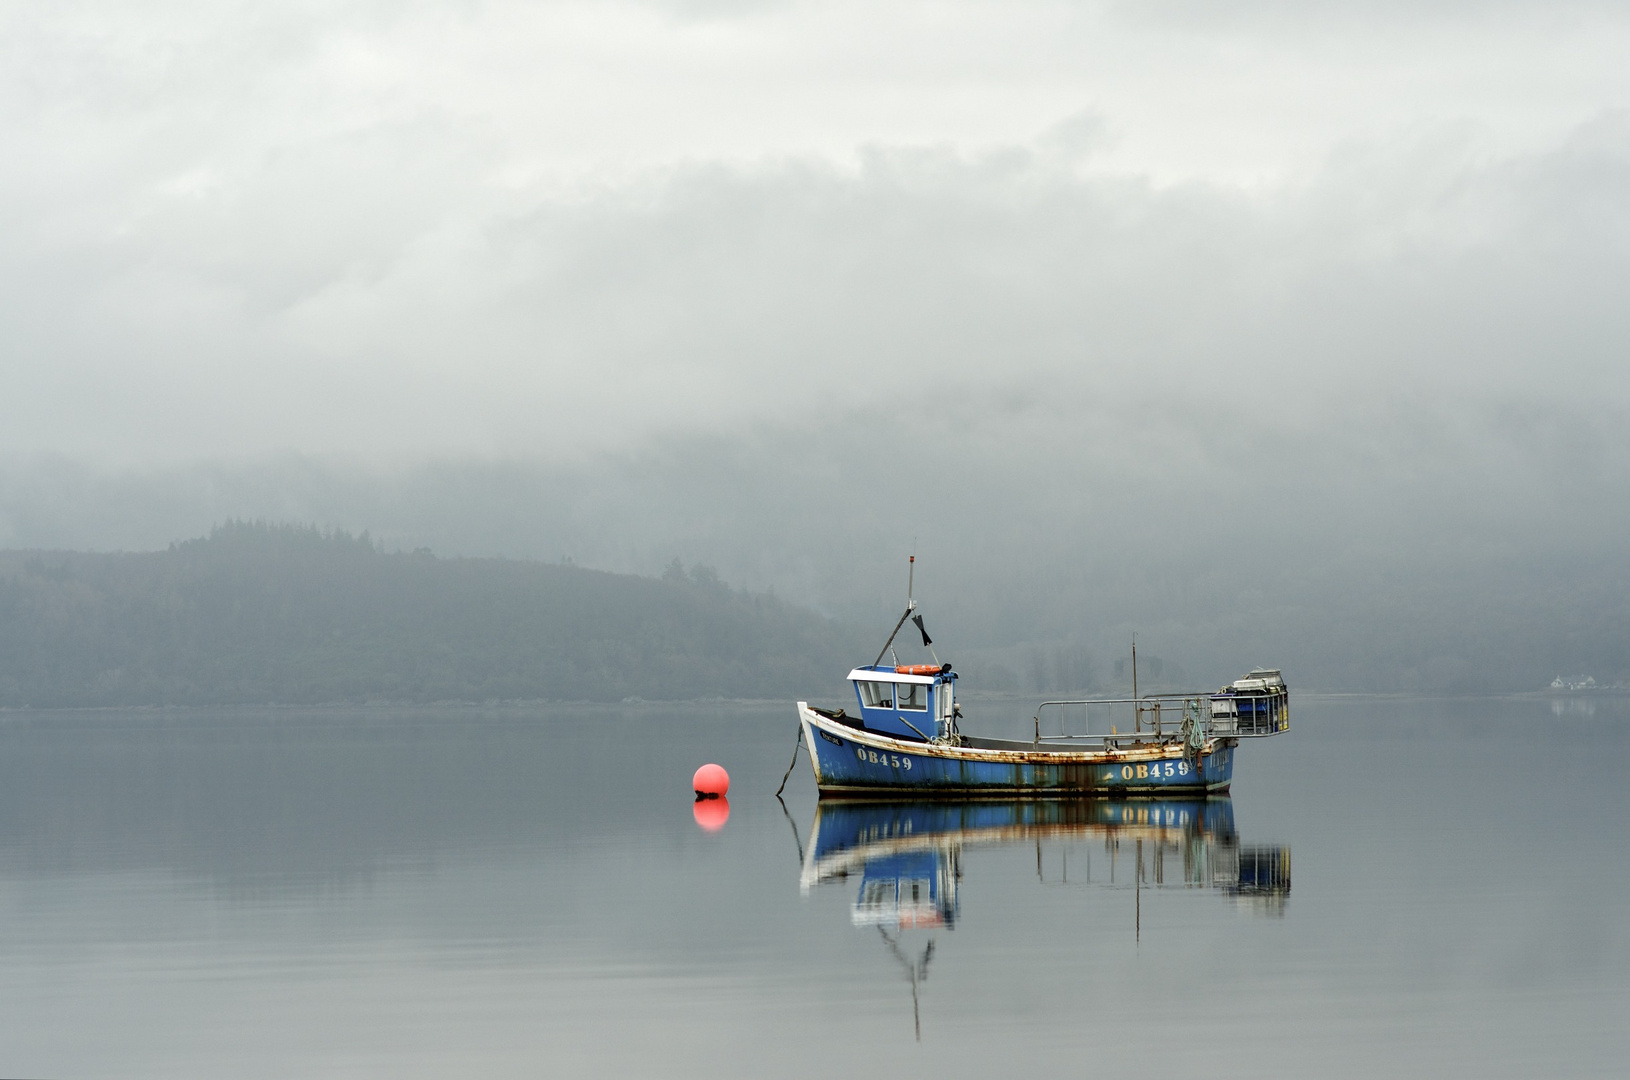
849, 761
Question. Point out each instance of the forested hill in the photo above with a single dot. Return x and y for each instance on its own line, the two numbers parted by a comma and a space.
279, 614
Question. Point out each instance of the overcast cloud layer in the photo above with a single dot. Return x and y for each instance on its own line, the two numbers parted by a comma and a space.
428, 229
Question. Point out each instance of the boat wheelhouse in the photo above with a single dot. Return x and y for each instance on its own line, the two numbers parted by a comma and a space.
907, 700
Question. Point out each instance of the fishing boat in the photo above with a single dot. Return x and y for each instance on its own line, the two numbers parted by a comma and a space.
905, 736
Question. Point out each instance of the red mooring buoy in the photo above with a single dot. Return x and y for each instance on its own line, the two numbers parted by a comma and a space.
711, 782
711, 814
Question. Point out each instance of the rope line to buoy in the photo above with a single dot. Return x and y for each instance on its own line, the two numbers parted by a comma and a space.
798, 744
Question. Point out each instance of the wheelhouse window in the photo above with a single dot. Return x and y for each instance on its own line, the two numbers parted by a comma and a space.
877, 695
913, 696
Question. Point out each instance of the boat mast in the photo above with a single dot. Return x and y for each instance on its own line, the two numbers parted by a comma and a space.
911, 605
1137, 706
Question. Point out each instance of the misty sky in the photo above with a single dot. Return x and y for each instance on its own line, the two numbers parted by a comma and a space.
411, 230
1296, 326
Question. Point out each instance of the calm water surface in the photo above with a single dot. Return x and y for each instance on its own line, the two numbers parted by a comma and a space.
1420, 887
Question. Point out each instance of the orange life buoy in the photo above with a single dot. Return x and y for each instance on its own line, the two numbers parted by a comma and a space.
918, 669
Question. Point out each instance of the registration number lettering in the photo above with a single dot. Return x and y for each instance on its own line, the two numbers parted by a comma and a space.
1158, 770
873, 757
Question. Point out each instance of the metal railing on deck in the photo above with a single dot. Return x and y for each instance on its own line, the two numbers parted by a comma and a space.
1162, 718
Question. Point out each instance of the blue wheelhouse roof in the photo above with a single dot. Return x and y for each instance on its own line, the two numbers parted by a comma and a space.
886, 673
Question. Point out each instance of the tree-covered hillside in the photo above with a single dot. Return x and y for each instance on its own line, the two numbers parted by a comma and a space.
260, 613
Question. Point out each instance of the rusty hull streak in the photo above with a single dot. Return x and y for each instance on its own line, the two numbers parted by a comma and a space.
1071, 778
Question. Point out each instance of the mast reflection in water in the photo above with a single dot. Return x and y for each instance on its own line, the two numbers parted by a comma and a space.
908, 857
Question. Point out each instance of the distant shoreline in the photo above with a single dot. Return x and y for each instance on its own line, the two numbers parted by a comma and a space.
743, 704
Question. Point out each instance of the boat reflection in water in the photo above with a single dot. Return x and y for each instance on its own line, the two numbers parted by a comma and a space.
908, 857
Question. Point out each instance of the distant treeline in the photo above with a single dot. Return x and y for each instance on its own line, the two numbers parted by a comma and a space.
258, 613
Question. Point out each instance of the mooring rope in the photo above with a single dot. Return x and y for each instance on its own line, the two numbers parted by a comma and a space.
798, 744
793, 825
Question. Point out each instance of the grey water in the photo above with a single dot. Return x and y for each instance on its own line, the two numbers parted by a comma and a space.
519, 892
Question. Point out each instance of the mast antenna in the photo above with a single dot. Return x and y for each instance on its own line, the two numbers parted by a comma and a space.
911, 605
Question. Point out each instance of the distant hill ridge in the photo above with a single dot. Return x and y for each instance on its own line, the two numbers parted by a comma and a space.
260, 613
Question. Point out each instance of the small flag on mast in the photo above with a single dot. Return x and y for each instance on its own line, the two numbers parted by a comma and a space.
927, 641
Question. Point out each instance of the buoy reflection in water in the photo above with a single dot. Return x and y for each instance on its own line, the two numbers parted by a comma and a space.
711, 814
